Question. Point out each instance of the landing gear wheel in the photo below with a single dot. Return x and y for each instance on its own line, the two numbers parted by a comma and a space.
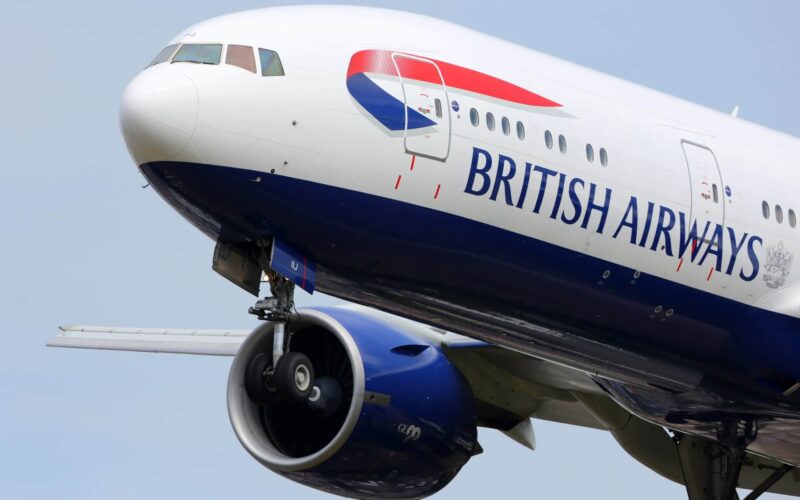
294, 377
326, 397
257, 378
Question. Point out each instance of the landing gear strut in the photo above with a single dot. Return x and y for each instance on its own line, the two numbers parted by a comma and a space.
277, 309
710, 470
711, 467
291, 374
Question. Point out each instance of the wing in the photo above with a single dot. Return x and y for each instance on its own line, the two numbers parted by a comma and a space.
206, 342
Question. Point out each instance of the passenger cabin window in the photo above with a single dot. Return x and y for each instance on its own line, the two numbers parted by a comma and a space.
242, 57
548, 139
506, 125
589, 153
474, 117
765, 209
270, 63
199, 53
792, 218
778, 214
603, 157
521, 131
490, 121
562, 144
165, 55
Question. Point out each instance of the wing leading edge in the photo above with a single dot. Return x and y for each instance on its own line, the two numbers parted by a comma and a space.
176, 341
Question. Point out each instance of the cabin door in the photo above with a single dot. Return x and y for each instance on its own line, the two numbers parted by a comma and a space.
708, 197
427, 127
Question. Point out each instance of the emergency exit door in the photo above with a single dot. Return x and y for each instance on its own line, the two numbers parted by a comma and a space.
427, 119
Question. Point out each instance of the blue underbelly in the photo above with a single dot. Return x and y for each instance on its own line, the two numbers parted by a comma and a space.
497, 285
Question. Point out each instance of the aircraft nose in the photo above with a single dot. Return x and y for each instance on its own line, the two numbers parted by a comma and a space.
158, 114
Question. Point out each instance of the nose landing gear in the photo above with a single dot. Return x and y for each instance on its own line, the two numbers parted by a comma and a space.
289, 375
294, 377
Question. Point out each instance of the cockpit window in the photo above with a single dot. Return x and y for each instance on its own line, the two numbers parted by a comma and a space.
241, 56
270, 63
200, 53
165, 55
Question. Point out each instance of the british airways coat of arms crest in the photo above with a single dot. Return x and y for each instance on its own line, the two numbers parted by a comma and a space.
778, 265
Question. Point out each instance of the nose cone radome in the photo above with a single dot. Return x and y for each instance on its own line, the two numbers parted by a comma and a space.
158, 114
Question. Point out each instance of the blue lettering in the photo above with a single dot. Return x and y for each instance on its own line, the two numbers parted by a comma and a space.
524, 185
751, 253
714, 247
735, 247
633, 223
546, 172
647, 222
690, 238
666, 221
592, 206
576, 202
480, 181
557, 204
474, 171
503, 178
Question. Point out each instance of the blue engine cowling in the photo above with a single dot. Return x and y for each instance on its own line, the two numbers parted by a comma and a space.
405, 426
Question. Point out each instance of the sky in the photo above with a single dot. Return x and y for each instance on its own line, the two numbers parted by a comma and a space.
84, 243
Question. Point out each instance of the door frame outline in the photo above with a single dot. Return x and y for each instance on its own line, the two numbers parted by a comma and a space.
446, 105
691, 180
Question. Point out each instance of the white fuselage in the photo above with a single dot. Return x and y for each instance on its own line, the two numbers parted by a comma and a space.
245, 121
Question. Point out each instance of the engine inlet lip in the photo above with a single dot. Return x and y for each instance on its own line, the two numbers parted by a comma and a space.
243, 412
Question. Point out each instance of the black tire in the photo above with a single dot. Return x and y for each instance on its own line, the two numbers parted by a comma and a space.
255, 382
294, 377
328, 398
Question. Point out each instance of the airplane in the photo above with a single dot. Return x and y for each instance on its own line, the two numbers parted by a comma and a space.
520, 238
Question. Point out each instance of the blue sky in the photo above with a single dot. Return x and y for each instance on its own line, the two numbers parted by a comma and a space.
84, 243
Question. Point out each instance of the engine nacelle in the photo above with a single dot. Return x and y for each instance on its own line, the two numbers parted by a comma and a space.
404, 428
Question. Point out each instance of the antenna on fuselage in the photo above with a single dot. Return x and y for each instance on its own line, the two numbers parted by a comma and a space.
735, 112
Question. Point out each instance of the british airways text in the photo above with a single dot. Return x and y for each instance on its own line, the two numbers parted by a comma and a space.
586, 205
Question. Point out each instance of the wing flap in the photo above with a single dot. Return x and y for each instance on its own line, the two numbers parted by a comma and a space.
177, 341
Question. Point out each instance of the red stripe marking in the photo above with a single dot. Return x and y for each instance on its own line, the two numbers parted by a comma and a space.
397, 184
438, 187
372, 61
413, 159
380, 61
305, 268
694, 245
679, 265
710, 272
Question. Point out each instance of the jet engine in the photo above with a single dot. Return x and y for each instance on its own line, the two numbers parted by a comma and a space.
388, 417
